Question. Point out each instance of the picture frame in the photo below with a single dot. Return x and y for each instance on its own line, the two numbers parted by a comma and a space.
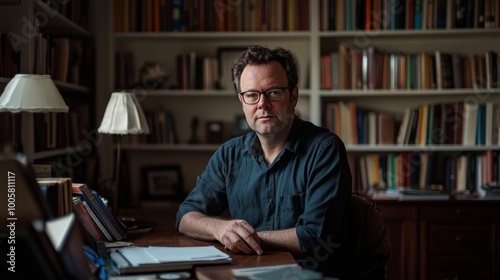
162, 182
227, 56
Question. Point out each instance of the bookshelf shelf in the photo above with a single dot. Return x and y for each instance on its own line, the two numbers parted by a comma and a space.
78, 149
404, 92
171, 147
73, 88
418, 148
213, 35
56, 23
197, 93
405, 33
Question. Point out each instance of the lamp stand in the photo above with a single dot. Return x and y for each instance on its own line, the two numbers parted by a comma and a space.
116, 181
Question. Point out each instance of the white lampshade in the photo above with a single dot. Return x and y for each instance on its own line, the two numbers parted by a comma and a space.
32, 93
123, 115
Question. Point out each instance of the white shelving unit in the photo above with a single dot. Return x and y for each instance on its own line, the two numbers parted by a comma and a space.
308, 46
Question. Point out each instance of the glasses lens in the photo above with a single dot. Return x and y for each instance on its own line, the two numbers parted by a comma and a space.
251, 97
275, 94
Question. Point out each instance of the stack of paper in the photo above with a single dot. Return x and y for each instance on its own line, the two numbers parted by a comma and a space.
156, 259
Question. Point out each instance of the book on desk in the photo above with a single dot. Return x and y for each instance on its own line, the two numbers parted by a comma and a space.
151, 259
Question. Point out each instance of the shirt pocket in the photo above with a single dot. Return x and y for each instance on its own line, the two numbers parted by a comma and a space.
290, 208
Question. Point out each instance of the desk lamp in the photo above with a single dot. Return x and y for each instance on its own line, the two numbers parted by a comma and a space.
123, 116
32, 94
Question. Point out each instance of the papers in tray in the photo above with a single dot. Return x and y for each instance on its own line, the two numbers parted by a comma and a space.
158, 258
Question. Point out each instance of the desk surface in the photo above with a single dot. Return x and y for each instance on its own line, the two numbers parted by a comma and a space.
164, 234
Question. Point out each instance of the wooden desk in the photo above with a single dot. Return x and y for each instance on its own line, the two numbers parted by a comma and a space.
164, 234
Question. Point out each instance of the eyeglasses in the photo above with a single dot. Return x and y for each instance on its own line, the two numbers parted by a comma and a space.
273, 94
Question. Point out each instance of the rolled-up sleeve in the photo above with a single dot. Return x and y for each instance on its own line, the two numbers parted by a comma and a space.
209, 195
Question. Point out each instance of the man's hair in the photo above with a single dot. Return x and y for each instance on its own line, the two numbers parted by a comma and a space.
257, 55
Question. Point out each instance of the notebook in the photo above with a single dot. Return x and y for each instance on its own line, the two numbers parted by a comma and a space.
159, 258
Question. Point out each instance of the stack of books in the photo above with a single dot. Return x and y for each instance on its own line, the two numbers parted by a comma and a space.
96, 221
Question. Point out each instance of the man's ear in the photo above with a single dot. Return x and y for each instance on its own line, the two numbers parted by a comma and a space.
294, 94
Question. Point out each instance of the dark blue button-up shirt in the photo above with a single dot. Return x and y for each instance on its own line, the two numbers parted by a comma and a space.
307, 187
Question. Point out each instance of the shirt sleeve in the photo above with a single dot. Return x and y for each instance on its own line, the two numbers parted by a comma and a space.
209, 194
327, 197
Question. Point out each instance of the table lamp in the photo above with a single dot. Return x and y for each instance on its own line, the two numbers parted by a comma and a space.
123, 115
33, 94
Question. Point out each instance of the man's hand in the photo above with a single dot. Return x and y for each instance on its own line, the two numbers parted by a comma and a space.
239, 237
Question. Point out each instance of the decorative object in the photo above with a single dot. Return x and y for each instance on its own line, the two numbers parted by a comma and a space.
153, 76
31, 94
123, 116
162, 182
215, 132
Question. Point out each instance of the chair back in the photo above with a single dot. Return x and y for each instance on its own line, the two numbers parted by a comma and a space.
365, 249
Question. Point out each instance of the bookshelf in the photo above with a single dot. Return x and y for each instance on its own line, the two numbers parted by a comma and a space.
146, 39
55, 39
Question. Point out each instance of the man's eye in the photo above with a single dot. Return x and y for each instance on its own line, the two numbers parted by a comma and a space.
273, 93
251, 95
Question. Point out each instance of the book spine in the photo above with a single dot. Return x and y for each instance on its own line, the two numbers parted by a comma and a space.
112, 219
97, 222
98, 209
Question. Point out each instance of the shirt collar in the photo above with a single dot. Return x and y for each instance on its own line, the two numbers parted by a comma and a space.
251, 145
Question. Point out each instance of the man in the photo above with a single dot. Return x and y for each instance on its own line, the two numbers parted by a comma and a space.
286, 184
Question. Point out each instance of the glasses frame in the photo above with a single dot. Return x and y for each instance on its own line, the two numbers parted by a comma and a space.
264, 92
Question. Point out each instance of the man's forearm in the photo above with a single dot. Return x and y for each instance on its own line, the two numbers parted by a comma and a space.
282, 240
199, 226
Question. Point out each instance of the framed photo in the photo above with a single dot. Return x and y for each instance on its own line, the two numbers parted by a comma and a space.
227, 57
215, 132
162, 182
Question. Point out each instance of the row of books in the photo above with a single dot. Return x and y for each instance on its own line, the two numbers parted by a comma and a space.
197, 72
96, 221
57, 130
63, 197
9, 57
218, 15
64, 59
369, 68
76, 11
57, 192
162, 130
456, 123
192, 71
464, 172
347, 15
357, 125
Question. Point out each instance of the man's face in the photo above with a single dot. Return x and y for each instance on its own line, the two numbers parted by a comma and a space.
266, 117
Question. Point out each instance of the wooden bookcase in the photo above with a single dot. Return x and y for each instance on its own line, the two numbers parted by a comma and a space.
70, 151
454, 239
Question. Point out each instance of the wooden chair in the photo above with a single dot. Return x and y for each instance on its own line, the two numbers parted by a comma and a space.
365, 249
